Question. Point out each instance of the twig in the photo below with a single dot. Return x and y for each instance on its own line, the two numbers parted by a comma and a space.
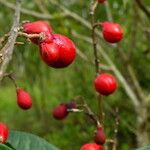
97, 68
9, 75
8, 48
114, 146
94, 40
3, 39
85, 58
116, 71
31, 12
30, 36
87, 110
143, 8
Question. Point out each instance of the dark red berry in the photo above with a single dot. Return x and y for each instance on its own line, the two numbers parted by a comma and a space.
36, 28
112, 32
101, 1
100, 136
24, 99
3, 133
91, 146
105, 84
60, 112
59, 53
71, 105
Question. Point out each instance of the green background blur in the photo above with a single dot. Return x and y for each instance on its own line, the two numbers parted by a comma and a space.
49, 86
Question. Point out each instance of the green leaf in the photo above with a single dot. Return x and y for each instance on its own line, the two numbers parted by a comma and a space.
26, 141
4, 147
144, 148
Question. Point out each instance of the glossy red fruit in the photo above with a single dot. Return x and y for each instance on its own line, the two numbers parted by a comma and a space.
3, 133
105, 84
24, 99
59, 53
112, 32
100, 137
36, 28
91, 146
60, 112
101, 1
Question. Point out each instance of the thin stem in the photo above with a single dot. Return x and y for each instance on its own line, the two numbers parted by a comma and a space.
30, 36
12, 79
94, 40
97, 68
100, 105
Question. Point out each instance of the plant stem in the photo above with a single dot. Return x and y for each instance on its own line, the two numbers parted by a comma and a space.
97, 68
94, 40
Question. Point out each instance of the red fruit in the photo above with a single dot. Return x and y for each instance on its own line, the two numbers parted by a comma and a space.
36, 28
101, 1
100, 137
112, 32
59, 53
24, 99
60, 112
105, 84
3, 133
91, 146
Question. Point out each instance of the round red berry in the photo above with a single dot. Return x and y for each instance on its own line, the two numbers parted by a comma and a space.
101, 1
3, 133
100, 136
24, 99
60, 112
112, 32
105, 84
36, 28
59, 53
91, 146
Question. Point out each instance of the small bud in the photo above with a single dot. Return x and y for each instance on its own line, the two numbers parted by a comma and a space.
100, 137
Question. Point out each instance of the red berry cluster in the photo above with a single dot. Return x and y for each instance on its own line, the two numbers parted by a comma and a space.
105, 83
56, 50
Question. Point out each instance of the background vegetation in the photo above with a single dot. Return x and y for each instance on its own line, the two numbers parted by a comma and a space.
49, 86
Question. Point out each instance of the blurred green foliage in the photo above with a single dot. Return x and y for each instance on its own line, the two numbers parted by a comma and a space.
49, 86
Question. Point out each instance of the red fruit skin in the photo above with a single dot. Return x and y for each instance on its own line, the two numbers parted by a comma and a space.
24, 99
112, 32
100, 137
36, 28
101, 1
105, 84
59, 53
3, 133
60, 112
91, 146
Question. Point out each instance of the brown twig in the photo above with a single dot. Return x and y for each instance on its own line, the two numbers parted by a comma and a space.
92, 12
10, 76
40, 36
83, 107
31, 12
8, 48
3, 39
143, 8
97, 68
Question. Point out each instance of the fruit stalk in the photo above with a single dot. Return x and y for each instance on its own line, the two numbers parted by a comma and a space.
97, 68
